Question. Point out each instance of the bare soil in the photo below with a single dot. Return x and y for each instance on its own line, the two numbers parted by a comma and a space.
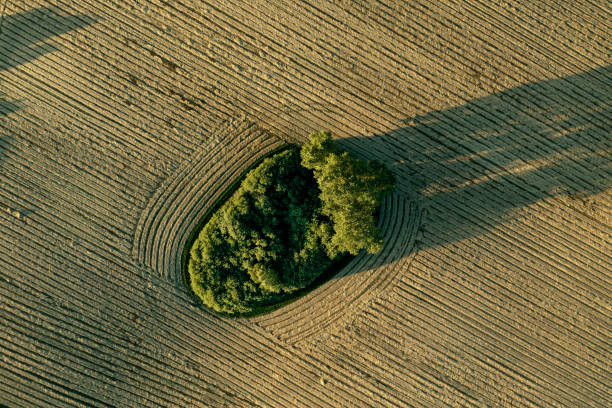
121, 120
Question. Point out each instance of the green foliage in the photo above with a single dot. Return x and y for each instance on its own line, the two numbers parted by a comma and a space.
351, 191
263, 243
288, 222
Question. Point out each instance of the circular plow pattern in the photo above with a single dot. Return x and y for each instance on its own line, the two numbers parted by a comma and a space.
182, 200
364, 278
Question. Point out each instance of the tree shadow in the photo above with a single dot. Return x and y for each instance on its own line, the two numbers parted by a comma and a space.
25, 35
474, 164
7, 107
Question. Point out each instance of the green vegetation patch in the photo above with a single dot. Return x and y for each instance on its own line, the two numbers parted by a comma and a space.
292, 218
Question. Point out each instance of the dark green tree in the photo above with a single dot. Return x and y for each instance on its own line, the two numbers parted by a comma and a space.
291, 217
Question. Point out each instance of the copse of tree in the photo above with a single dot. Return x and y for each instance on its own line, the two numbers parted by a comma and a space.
263, 242
291, 218
351, 191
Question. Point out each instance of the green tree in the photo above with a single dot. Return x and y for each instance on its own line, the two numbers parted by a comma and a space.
260, 244
291, 217
351, 191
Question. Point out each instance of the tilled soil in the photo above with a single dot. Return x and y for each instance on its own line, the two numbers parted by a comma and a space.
122, 120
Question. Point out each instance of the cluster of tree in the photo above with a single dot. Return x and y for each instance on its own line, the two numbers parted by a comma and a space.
351, 192
291, 218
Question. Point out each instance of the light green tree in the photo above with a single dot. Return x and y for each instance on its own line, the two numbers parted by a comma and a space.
351, 191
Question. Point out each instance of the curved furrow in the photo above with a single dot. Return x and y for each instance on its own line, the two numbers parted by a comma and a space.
193, 207
202, 164
363, 279
185, 196
288, 313
498, 114
148, 217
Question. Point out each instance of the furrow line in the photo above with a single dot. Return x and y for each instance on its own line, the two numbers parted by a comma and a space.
545, 14
71, 360
375, 370
202, 189
390, 272
507, 366
546, 48
499, 345
61, 109
335, 285
394, 155
291, 313
305, 110
45, 89
89, 84
95, 353
511, 238
487, 34
24, 150
97, 336
197, 207
62, 235
512, 302
226, 342
73, 225
252, 102
23, 390
487, 163
143, 395
41, 180
447, 351
83, 112
119, 152
299, 358
302, 324
161, 207
514, 237
372, 368
431, 31
54, 383
521, 192
517, 229
168, 186
513, 262
110, 16
54, 340
504, 289
177, 232
603, 18
58, 368
368, 108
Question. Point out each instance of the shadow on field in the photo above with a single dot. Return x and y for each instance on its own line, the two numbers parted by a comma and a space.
471, 165
24, 36
7, 107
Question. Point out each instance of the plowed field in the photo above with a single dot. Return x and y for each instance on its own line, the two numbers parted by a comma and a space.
121, 121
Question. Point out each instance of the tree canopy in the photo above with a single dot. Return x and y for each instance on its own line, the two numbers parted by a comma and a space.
290, 219
351, 191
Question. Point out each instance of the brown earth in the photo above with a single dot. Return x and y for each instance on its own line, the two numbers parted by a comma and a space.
121, 120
